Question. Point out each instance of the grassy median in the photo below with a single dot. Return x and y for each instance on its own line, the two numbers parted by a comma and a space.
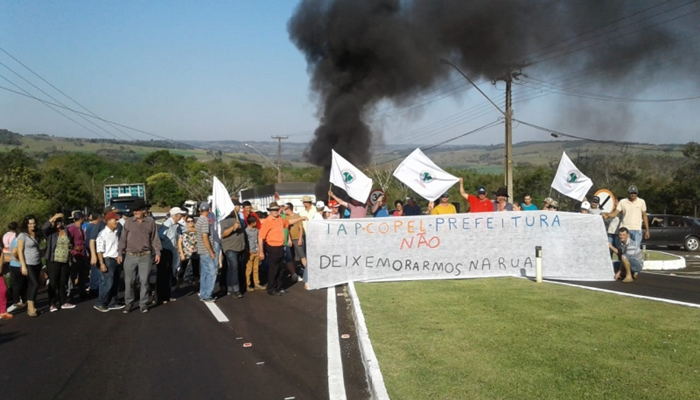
510, 338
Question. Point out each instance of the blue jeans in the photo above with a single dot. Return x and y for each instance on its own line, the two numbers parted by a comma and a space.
635, 266
108, 285
95, 278
636, 236
207, 279
232, 271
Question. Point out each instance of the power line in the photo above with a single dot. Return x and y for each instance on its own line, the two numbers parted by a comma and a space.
59, 90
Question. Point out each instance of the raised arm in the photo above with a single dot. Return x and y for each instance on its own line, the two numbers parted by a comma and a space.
339, 200
464, 194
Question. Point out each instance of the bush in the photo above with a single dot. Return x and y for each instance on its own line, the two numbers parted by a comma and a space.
17, 209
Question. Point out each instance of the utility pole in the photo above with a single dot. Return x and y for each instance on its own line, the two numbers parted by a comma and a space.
279, 156
509, 140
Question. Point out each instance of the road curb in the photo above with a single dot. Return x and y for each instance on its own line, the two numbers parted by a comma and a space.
662, 265
373, 373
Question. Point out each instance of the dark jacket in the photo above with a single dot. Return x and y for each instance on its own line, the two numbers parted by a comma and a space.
51, 235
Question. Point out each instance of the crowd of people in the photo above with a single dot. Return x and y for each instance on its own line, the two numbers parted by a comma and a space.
97, 255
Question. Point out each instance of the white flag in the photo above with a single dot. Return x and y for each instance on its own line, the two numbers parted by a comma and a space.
347, 177
419, 173
569, 181
221, 205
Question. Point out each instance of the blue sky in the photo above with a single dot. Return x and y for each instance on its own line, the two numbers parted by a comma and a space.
227, 70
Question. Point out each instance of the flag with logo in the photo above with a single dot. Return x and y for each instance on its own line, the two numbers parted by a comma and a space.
421, 174
569, 181
347, 177
221, 205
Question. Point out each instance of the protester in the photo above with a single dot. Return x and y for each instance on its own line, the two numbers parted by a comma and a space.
631, 258
139, 241
319, 211
107, 248
501, 203
478, 203
326, 212
527, 203
334, 206
170, 255
445, 207
3, 288
411, 208
93, 229
585, 207
30, 260
251, 268
188, 254
270, 246
58, 246
233, 243
595, 206
207, 257
19, 281
612, 227
552, 205
6, 242
398, 209
247, 211
379, 209
547, 202
296, 232
80, 264
634, 212
357, 209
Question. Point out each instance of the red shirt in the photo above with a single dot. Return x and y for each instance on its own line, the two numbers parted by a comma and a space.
476, 205
257, 224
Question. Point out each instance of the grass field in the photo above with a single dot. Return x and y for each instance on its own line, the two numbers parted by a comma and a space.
510, 338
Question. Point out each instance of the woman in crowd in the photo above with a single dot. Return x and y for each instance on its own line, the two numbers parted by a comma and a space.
398, 210
6, 242
30, 260
58, 245
3, 288
19, 281
189, 259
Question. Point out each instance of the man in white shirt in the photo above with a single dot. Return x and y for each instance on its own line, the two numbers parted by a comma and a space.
634, 212
106, 246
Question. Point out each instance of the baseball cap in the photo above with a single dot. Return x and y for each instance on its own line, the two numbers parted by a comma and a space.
585, 205
326, 209
111, 215
445, 195
177, 210
554, 204
481, 189
320, 204
204, 206
595, 199
632, 189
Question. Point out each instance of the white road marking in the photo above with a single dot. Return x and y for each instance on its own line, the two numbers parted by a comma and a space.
369, 359
218, 314
336, 381
682, 303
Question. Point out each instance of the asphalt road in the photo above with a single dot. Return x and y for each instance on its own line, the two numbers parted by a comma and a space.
180, 350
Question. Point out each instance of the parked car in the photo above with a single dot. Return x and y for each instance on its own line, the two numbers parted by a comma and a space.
674, 231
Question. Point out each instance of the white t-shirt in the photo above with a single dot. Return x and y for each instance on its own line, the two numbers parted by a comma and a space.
632, 213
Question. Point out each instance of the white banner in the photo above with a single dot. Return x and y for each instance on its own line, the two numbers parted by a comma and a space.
422, 175
480, 245
569, 181
221, 205
347, 177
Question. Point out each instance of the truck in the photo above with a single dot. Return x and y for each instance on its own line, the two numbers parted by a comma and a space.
288, 192
122, 196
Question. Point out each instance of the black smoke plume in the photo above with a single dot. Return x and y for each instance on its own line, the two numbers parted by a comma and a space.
360, 52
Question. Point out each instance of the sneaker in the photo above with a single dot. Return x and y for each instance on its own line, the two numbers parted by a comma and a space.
295, 278
237, 295
274, 293
6, 316
282, 291
100, 308
144, 310
116, 307
259, 287
210, 300
249, 289
67, 306
53, 308
12, 308
126, 310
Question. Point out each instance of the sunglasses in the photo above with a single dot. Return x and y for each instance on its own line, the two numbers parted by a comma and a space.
189, 221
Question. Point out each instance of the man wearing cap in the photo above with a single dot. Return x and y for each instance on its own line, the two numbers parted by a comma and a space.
334, 206
79, 263
595, 206
207, 257
478, 203
271, 246
411, 208
527, 203
320, 206
552, 205
634, 212
106, 246
444, 207
138, 242
501, 203
585, 207
169, 234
